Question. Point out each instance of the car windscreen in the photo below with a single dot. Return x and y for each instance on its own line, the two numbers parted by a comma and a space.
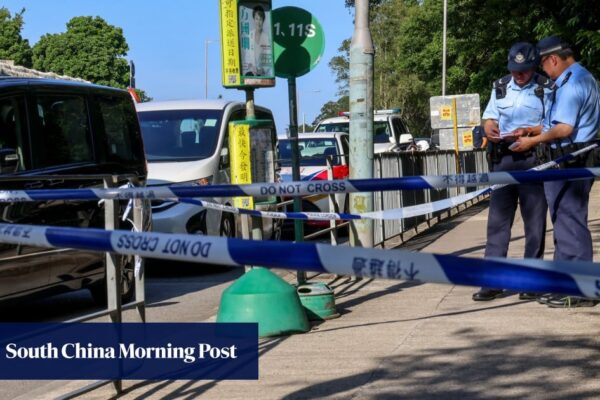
313, 152
180, 135
334, 127
381, 130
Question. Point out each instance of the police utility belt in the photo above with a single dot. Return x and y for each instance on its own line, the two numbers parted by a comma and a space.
545, 152
500, 149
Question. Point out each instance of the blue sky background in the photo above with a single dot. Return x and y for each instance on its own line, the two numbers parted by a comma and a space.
167, 39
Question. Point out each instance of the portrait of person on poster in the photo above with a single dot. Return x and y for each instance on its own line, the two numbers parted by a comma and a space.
256, 41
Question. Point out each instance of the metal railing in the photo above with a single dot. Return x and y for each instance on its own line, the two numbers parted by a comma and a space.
406, 163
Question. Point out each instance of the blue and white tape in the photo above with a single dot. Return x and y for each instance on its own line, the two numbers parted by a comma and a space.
571, 278
294, 189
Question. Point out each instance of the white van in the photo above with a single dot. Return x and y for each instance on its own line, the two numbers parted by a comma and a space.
186, 142
390, 132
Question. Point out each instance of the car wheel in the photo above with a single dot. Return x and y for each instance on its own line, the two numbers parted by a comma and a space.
227, 228
98, 291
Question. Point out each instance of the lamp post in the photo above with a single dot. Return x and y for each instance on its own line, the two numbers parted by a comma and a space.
206, 43
444, 48
302, 108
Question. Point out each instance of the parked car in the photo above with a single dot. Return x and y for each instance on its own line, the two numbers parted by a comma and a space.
186, 142
315, 148
390, 132
63, 134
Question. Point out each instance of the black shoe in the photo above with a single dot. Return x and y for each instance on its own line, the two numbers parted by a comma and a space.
487, 294
570, 301
543, 299
527, 296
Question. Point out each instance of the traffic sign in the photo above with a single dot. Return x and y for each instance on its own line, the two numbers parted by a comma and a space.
299, 41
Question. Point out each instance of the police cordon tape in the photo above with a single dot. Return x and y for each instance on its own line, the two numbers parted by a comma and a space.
390, 214
303, 188
530, 275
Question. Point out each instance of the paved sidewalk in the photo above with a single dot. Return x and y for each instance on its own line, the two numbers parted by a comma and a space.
417, 341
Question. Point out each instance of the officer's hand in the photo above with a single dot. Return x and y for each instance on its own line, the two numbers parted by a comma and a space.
522, 144
520, 132
492, 133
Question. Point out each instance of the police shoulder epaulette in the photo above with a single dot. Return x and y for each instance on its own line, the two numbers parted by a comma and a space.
502, 81
500, 86
545, 82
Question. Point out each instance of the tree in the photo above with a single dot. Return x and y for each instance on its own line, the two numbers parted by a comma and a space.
407, 35
143, 95
332, 108
12, 45
340, 65
90, 49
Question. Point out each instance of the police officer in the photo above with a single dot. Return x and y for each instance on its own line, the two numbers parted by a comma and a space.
516, 108
573, 121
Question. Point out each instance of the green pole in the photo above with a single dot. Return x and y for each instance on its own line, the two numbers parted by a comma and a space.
298, 227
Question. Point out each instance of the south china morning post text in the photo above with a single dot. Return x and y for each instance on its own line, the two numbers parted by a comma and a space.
129, 351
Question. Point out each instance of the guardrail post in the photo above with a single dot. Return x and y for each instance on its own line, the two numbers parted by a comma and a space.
113, 267
333, 204
139, 220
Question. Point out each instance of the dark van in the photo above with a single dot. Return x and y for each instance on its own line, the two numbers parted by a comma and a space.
63, 134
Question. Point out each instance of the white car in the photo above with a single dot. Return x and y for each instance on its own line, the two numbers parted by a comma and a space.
186, 142
390, 133
315, 148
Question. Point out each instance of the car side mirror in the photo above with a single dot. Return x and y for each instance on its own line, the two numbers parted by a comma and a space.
224, 156
9, 160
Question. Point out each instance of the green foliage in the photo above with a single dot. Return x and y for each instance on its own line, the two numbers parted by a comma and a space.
408, 40
340, 65
12, 45
90, 49
332, 108
143, 95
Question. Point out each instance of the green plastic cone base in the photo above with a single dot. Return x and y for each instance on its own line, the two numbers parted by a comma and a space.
261, 296
318, 301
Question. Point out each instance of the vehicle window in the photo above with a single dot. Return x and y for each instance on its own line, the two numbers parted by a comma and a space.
175, 135
63, 134
120, 126
345, 148
12, 134
313, 152
381, 132
334, 127
399, 126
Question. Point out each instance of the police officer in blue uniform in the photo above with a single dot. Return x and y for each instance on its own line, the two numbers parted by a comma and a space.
516, 108
572, 123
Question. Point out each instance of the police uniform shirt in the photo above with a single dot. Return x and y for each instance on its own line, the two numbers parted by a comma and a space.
520, 108
577, 104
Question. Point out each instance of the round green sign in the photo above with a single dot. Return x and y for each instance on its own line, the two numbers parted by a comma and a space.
299, 41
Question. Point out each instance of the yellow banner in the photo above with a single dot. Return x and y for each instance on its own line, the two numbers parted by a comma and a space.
230, 51
239, 156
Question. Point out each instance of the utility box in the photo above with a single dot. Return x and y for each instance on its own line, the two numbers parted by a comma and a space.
467, 114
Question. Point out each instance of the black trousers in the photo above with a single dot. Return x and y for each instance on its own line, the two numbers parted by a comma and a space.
503, 205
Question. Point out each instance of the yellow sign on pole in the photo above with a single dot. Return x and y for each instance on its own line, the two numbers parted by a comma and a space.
241, 164
230, 53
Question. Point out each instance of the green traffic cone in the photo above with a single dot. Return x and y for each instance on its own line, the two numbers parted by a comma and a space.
261, 296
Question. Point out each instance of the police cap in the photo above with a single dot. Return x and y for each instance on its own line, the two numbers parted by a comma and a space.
522, 56
551, 44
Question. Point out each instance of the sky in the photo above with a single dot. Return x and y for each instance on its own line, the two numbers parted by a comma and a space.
167, 41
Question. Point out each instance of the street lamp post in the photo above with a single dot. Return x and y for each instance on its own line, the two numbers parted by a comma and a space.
206, 43
302, 108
